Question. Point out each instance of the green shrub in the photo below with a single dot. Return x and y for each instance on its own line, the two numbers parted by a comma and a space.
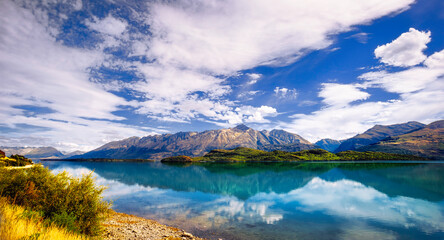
181, 159
21, 160
66, 220
74, 203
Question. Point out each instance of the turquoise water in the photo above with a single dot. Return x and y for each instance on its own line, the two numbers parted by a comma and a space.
279, 200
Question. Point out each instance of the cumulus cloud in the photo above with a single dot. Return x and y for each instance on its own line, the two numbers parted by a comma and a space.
335, 94
108, 25
406, 50
253, 114
435, 61
421, 94
282, 92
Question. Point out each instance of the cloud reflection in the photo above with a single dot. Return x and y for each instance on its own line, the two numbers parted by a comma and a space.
344, 199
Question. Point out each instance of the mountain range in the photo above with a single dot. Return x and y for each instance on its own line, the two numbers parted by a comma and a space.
407, 138
38, 152
376, 134
198, 143
425, 142
328, 144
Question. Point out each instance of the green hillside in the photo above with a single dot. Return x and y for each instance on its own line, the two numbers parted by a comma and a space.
427, 142
242, 154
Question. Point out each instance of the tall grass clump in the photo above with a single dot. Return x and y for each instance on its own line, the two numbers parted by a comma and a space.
73, 203
16, 223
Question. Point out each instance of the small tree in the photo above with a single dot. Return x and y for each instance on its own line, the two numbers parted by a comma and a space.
21, 160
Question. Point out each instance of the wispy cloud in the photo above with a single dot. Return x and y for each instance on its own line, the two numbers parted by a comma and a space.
37, 70
179, 56
421, 94
253, 78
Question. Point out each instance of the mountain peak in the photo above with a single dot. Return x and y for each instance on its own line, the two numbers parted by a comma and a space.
241, 127
378, 133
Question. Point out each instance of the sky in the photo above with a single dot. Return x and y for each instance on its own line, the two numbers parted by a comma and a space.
76, 74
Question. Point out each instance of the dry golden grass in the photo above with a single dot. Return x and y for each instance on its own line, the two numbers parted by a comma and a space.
13, 226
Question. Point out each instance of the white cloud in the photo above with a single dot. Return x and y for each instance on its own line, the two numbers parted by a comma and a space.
191, 50
174, 84
406, 81
257, 115
38, 71
289, 94
227, 36
195, 46
335, 94
248, 95
108, 25
436, 60
346, 121
406, 50
254, 77
361, 37
421, 94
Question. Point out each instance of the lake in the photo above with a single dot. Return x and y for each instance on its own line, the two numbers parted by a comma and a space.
278, 200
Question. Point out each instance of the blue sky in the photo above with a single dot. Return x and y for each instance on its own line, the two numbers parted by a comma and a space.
77, 74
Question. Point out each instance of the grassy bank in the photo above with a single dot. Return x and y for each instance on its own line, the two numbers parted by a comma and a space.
73, 204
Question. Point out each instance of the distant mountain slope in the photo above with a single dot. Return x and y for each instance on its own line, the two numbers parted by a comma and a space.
425, 142
376, 134
70, 154
195, 143
292, 147
328, 144
33, 152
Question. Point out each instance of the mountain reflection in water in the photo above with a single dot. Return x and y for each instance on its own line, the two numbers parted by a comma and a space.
279, 200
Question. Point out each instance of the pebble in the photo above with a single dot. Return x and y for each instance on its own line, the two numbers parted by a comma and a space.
124, 226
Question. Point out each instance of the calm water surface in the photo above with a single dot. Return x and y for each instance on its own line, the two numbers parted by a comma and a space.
279, 200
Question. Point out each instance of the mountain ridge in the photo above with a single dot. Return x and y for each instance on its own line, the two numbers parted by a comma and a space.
33, 152
328, 144
196, 143
425, 142
378, 133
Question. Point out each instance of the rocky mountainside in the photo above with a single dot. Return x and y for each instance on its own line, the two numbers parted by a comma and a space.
196, 143
425, 142
378, 133
70, 154
329, 144
33, 152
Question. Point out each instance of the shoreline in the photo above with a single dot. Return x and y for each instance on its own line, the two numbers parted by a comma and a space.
125, 226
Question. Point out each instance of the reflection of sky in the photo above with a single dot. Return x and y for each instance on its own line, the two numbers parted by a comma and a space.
350, 201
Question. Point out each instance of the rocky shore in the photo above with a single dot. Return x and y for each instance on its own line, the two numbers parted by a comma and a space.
123, 226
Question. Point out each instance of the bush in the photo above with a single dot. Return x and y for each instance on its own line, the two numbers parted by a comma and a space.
180, 158
74, 203
15, 161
